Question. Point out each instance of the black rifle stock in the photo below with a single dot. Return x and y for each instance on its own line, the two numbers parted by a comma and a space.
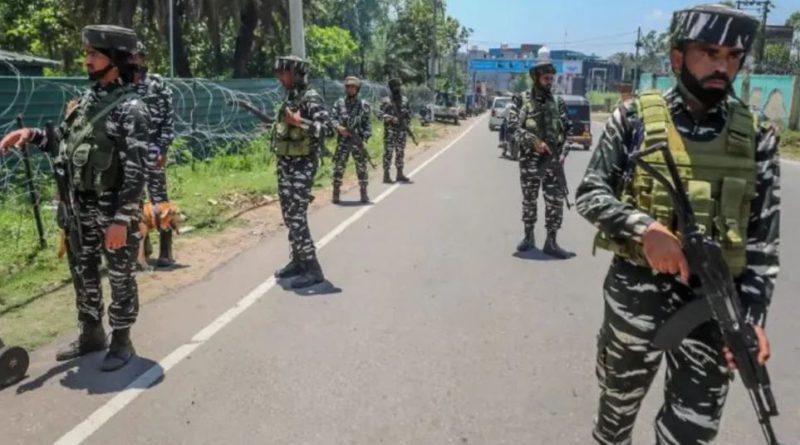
719, 300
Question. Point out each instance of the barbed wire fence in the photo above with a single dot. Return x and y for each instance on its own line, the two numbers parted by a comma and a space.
208, 118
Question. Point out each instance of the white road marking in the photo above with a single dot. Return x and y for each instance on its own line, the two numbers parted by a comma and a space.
102, 415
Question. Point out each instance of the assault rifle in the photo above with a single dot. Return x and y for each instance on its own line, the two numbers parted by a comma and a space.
402, 122
718, 300
556, 160
262, 116
69, 208
358, 142
269, 120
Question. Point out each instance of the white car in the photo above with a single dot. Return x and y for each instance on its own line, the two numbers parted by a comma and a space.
499, 110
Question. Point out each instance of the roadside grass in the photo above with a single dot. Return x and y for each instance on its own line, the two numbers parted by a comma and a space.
790, 144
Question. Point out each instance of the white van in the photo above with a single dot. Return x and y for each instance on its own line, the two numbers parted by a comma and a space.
498, 112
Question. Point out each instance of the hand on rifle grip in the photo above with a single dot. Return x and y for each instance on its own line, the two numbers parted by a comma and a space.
16, 139
664, 252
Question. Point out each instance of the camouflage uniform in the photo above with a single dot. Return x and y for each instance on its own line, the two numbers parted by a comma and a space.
352, 113
104, 199
297, 167
158, 97
638, 301
539, 121
129, 120
394, 137
511, 124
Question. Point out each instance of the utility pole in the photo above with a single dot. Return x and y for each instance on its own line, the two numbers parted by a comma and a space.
296, 28
764, 7
635, 82
434, 56
171, 40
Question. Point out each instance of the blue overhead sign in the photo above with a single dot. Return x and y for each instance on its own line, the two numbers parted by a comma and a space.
508, 65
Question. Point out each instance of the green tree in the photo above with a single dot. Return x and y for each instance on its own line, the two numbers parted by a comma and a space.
330, 48
778, 60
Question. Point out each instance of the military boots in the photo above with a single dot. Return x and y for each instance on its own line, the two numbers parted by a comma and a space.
120, 352
165, 249
552, 248
312, 274
401, 177
528, 241
91, 339
292, 269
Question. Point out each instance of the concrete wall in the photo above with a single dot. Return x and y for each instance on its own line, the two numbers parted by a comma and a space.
775, 96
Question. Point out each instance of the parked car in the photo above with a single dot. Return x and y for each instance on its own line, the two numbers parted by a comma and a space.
446, 107
499, 110
579, 112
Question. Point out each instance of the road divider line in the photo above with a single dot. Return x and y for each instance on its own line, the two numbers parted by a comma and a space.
103, 414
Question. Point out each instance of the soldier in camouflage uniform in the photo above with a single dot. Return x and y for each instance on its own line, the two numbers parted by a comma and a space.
158, 97
351, 114
298, 141
103, 143
731, 170
540, 132
395, 113
511, 122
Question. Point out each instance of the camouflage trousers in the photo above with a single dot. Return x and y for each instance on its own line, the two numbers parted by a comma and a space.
96, 216
295, 179
394, 143
533, 176
343, 152
156, 177
696, 384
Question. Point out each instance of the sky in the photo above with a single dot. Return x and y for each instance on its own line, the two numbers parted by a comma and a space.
603, 27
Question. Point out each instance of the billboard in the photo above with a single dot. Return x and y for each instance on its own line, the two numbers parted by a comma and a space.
509, 65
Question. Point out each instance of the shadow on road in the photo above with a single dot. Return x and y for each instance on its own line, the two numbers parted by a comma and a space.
354, 204
84, 374
324, 288
538, 255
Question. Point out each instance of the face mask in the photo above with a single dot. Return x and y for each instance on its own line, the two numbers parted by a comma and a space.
707, 96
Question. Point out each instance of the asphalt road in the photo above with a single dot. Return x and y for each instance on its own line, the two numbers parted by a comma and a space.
431, 331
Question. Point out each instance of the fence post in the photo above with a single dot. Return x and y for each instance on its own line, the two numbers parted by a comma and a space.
37, 211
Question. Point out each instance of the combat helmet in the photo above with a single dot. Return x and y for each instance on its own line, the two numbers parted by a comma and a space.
716, 24
110, 38
298, 66
352, 80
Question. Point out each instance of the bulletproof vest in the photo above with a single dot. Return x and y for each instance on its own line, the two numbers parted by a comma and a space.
92, 154
351, 114
544, 119
289, 139
719, 176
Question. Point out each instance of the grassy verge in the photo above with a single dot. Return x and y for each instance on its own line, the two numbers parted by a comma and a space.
790, 144
599, 98
208, 192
